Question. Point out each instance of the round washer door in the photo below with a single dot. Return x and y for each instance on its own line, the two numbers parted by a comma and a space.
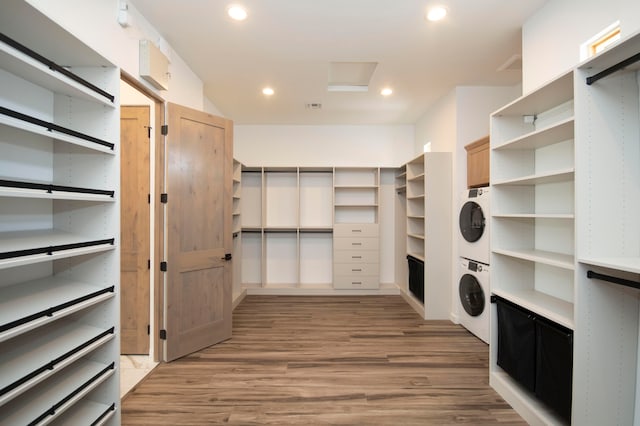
471, 221
471, 295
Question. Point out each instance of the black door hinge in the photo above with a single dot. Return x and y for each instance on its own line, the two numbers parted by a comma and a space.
149, 264
149, 198
148, 329
163, 266
164, 130
149, 132
164, 198
163, 334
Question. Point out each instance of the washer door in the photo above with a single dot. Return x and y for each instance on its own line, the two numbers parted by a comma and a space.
471, 221
471, 295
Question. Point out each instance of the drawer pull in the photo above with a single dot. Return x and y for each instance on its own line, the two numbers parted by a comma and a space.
356, 270
356, 257
356, 230
356, 282
356, 244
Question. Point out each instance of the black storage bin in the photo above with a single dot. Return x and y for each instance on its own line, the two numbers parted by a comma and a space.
554, 366
516, 342
416, 277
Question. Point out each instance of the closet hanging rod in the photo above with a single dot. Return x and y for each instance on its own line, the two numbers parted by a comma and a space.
54, 67
52, 126
614, 280
49, 188
617, 67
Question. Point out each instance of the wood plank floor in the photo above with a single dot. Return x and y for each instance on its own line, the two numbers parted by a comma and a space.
326, 360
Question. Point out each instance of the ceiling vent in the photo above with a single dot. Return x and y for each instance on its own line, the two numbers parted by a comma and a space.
350, 76
313, 105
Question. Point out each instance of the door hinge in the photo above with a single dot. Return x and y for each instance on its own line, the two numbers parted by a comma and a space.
163, 266
149, 198
164, 198
149, 264
163, 334
149, 329
164, 130
149, 132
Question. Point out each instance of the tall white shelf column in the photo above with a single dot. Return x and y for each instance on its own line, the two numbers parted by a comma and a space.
59, 225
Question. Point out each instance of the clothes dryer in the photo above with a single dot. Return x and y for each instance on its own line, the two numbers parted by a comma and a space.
473, 225
473, 298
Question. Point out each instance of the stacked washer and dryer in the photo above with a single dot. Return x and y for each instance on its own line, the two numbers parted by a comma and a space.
474, 251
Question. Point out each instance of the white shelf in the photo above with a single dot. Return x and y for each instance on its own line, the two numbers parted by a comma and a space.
558, 132
36, 72
86, 412
563, 175
79, 379
535, 216
52, 134
550, 307
625, 264
559, 260
26, 240
45, 296
53, 195
47, 351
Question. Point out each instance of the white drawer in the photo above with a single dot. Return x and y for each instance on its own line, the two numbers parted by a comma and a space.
350, 283
356, 269
355, 243
355, 229
356, 256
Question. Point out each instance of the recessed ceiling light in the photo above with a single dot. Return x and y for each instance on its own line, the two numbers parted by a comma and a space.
268, 91
386, 91
436, 13
237, 12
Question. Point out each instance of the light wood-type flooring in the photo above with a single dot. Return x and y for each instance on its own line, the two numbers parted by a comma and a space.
326, 360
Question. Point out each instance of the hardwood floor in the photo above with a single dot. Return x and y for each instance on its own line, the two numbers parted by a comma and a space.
326, 360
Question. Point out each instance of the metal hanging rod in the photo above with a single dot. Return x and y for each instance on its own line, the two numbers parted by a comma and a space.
613, 68
614, 280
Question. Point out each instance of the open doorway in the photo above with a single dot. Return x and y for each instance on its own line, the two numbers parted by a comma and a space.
142, 114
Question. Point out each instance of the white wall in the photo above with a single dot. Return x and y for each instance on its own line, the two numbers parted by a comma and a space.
94, 22
551, 38
438, 126
297, 145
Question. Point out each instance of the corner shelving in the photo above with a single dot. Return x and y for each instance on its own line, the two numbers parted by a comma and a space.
59, 224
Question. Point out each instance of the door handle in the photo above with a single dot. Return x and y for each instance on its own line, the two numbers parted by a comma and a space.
226, 257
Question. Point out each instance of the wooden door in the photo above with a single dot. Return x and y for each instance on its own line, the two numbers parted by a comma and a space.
199, 152
134, 230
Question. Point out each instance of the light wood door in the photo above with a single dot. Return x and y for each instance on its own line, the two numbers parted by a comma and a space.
134, 234
199, 149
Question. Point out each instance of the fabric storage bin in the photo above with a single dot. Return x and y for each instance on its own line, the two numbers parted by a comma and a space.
516, 342
554, 366
416, 277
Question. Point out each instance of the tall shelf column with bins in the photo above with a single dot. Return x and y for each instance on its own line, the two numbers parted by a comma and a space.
428, 234
59, 226
606, 385
356, 243
532, 228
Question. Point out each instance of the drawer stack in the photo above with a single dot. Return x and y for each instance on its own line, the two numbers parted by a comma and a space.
356, 256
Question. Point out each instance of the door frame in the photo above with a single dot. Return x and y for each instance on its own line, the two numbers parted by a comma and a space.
158, 220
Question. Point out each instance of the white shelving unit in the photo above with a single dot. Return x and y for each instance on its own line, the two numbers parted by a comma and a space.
607, 312
59, 225
427, 191
533, 219
237, 232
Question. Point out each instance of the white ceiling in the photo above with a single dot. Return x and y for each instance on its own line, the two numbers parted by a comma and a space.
289, 44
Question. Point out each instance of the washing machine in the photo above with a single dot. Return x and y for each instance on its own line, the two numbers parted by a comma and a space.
473, 298
473, 224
